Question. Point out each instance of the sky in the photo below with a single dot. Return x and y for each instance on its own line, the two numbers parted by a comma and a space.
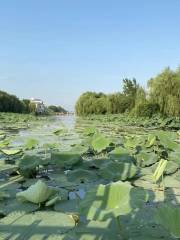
57, 49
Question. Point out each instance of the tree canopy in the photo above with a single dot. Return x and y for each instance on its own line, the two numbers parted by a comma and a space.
162, 96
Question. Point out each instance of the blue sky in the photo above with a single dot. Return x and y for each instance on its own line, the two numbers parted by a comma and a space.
58, 49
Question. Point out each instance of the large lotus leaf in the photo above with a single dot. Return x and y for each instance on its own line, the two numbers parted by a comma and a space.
81, 176
37, 193
11, 152
27, 165
112, 200
118, 171
146, 158
171, 167
169, 217
133, 142
14, 205
118, 152
39, 225
97, 230
167, 139
66, 159
100, 143
175, 156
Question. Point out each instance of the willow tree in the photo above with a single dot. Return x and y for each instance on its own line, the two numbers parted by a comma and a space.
164, 90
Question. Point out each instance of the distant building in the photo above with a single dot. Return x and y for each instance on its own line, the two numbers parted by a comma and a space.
40, 107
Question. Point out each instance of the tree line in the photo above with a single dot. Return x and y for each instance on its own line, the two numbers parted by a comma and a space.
161, 96
11, 103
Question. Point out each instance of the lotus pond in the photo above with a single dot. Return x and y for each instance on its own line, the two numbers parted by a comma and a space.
97, 178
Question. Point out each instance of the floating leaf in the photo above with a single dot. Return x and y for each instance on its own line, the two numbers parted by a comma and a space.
66, 159
169, 217
100, 143
90, 131
27, 165
11, 152
37, 193
31, 144
81, 176
118, 171
146, 159
107, 201
38, 225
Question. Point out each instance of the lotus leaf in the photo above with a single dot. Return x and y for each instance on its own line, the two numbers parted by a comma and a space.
38, 225
27, 165
118, 152
118, 171
100, 143
31, 144
66, 159
37, 193
11, 152
112, 200
169, 217
146, 158
81, 176
90, 131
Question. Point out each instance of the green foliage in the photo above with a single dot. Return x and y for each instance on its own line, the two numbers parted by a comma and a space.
163, 97
10, 103
145, 109
116, 171
100, 142
37, 193
57, 109
165, 91
169, 217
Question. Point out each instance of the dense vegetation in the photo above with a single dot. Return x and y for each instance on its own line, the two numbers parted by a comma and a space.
162, 96
11, 103
98, 179
57, 109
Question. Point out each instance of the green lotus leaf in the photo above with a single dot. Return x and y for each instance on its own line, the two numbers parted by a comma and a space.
169, 217
31, 143
11, 152
146, 158
112, 200
66, 159
100, 143
37, 193
39, 225
90, 131
171, 167
97, 230
175, 157
167, 139
116, 171
81, 176
27, 165
118, 152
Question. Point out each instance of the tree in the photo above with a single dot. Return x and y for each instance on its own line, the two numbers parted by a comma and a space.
164, 90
